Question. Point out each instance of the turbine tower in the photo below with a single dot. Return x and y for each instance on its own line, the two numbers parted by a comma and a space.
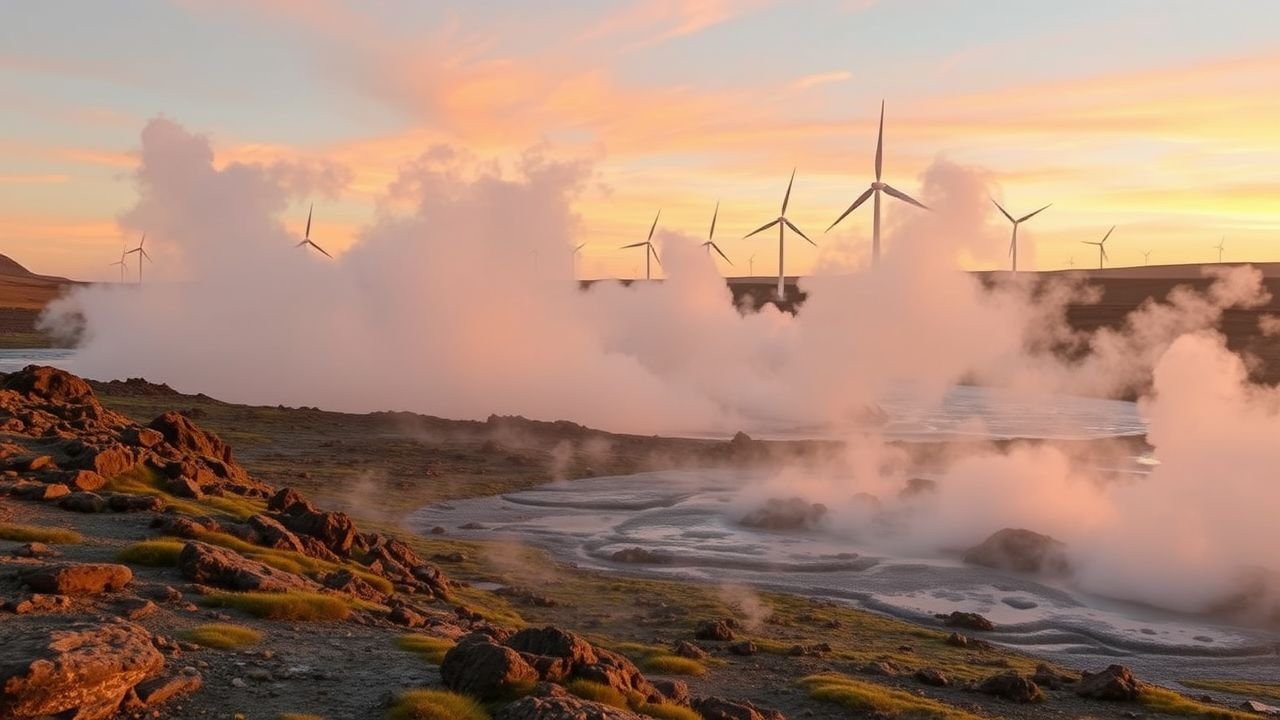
141, 253
1102, 246
649, 250
783, 223
1219, 248
876, 188
710, 244
306, 239
121, 262
1146, 257
1013, 243
751, 265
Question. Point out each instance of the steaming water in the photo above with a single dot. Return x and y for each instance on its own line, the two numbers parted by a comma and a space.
12, 360
690, 518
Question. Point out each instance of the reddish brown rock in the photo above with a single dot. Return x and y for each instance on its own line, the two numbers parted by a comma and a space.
714, 708
1116, 684
561, 707
272, 534
183, 435
86, 480
1012, 686
211, 565
47, 383
78, 579
485, 670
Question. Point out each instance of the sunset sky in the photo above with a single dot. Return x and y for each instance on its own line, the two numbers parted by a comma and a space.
1160, 116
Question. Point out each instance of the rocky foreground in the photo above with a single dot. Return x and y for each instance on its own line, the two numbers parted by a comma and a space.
140, 565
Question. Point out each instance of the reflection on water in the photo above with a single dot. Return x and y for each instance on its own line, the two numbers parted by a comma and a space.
11, 360
687, 522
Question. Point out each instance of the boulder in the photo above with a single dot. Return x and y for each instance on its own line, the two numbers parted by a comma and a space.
715, 708
211, 565
109, 461
184, 486
1021, 551
933, 677
274, 535
554, 642
126, 503
790, 514
686, 649
561, 707
1012, 686
80, 670
334, 529
967, 621
47, 383
640, 556
745, 648
183, 435
158, 691
619, 673
486, 670
1046, 676
675, 691
1116, 683
83, 502
717, 630
38, 603
40, 491
86, 480
78, 579
345, 581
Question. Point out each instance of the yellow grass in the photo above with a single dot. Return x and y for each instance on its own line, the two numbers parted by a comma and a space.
597, 692
868, 697
33, 533
143, 480
296, 563
1269, 691
1168, 702
432, 649
673, 665
152, 553
285, 606
223, 636
435, 705
668, 712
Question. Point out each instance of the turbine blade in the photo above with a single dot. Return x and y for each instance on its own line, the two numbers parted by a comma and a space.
1104, 252
714, 215
322, 250
762, 228
580, 246
309, 211
143, 241
796, 230
861, 199
633, 245
1025, 218
304, 242
655, 224
903, 197
721, 253
787, 198
880, 143
145, 255
1104, 237
1006, 212
655, 255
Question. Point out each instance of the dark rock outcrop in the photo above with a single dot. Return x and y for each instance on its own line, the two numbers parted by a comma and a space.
1116, 683
790, 514
211, 565
717, 630
715, 708
561, 707
78, 578
1021, 551
967, 621
1012, 686
485, 669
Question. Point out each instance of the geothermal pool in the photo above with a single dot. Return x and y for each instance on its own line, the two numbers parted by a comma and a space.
691, 518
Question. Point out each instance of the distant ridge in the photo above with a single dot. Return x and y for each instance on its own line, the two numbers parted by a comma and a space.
12, 268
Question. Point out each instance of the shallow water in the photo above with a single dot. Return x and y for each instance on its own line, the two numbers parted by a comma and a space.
13, 360
690, 518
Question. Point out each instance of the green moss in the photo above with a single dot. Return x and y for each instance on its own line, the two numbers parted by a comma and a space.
435, 705
152, 553
1268, 691
35, 533
863, 696
1168, 702
673, 665
432, 649
285, 606
223, 636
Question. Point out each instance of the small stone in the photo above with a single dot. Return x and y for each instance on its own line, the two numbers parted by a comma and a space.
238, 682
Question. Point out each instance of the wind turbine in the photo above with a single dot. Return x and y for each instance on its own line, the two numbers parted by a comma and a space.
1102, 246
649, 251
573, 257
141, 253
306, 239
1146, 257
121, 262
710, 244
751, 265
1220, 248
1013, 243
1071, 261
783, 223
876, 188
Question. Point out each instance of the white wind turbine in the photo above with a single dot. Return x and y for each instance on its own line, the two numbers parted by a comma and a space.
874, 191
1219, 248
306, 239
1146, 257
751, 265
141, 253
121, 262
649, 250
783, 223
710, 244
1102, 246
1013, 243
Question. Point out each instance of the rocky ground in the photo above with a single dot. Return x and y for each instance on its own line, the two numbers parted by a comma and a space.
146, 570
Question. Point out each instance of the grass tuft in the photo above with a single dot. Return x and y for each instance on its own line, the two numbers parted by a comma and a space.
432, 649
152, 553
292, 562
143, 480
1168, 702
885, 702
668, 712
435, 705
284, 606
597, 692
1268, 691
673, 665
223, 636
33, 533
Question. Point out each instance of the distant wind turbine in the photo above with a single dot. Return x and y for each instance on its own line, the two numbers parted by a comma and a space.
649, 250
783, 223
1102, 246
573, 258
1220, 248
710, 244
141, 253
1071, 261
1146, 257
876, 188
306, 239
1013, 243
751, 265
121, 262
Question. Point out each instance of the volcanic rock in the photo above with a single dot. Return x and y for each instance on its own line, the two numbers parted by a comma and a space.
561, 707
715, 708
1021, 551
554, 642
717, 630
1012, 686
1116, 683
640, 556
485, 670
968, 621
83, 502
933, 677
274, 535
686, 649
211, 565
78, 579
47, 383
791, 514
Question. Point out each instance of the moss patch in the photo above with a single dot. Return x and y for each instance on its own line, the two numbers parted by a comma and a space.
1168, 702
1266, 691
435, 705
34, 533
152, 553
302, 606
885, 702
432, 649
223, 636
